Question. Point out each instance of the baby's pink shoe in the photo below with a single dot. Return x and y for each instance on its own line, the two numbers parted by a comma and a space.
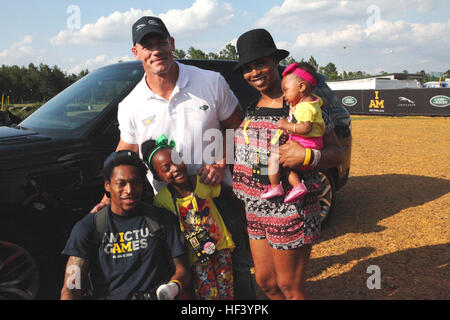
270, 192
296, 193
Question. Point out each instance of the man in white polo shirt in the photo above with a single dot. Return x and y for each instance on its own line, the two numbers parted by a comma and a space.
201, 100
177, 100
183, 102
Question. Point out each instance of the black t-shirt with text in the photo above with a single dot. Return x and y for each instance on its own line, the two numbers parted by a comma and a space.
130, 258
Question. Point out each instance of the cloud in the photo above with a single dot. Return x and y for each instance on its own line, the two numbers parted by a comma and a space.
21, 46
115, 27
402, 43
380, 35
202, 15
21, 52
367, 28
98, 62
299, 14
289, 9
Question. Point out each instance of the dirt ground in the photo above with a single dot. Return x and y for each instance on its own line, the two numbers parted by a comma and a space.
394, 213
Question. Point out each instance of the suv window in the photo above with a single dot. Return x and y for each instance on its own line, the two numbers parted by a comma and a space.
68, 113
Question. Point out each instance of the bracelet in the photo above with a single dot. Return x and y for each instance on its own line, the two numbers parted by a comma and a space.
178, 283
317, 156
307, 156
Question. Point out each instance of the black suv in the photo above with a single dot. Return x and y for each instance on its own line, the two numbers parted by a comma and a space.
50, 163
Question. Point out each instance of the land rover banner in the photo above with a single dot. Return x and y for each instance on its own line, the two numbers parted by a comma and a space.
351, 99
421, 101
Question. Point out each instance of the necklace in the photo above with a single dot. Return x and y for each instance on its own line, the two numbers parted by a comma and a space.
270, 105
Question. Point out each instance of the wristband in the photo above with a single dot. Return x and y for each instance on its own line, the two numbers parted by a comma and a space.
317, 156
307, 156
178, 283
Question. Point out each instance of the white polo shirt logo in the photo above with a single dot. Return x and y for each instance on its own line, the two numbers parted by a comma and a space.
149, 120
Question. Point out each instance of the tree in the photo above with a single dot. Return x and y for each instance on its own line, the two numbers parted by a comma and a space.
287, 61
14, 81
196, 54
426, 76
357, 74
31, 82
228, 53
45, 84
313, 62
34, 83
330, 71
213, 56
179, 54
82, 73
2, 82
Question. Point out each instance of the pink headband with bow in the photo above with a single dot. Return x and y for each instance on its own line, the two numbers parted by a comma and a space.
295, 69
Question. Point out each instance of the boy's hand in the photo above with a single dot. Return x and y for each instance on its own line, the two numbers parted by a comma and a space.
167, 291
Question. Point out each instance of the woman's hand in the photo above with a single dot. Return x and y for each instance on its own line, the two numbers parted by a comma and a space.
291, 154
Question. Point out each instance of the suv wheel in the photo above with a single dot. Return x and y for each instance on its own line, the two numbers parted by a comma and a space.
19, 278
328, 196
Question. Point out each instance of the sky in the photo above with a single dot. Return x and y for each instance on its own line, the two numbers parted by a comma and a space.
365, 35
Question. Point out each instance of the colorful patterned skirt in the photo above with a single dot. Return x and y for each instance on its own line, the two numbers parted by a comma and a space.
285, 226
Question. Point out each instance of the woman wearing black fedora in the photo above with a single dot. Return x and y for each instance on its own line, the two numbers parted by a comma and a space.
281, 234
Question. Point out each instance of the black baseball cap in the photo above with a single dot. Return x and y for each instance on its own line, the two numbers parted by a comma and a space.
146, 25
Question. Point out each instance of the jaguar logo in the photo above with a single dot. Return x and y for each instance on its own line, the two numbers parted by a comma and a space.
405, 100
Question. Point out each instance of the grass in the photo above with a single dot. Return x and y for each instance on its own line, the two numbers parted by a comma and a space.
392, 213
23, 110
385, 117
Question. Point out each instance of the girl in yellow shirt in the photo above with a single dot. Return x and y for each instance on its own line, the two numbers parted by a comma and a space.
305, 125
209, 242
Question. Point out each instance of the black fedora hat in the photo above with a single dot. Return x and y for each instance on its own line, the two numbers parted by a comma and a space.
256, 44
